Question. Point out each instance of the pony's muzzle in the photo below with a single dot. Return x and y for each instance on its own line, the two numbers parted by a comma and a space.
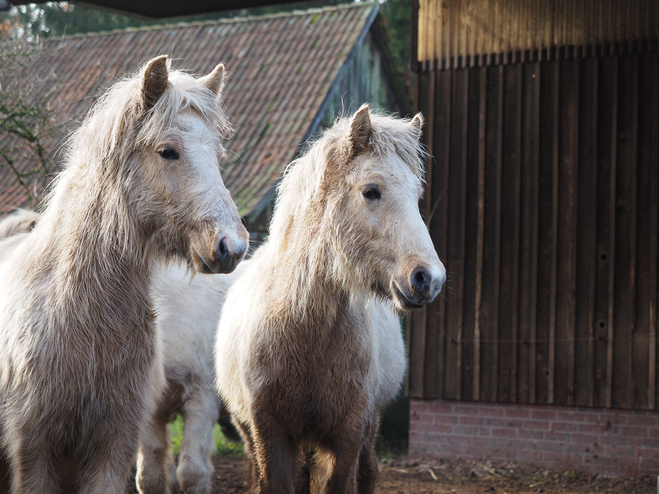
424, 284
228, 253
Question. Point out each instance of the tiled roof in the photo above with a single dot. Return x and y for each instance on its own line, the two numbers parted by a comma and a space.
280, 68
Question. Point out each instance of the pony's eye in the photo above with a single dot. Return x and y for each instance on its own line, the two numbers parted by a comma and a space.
168, 154
371, 192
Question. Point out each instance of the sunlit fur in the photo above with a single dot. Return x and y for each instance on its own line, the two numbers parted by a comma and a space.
80, 363
19, 221
187, 313
309, 349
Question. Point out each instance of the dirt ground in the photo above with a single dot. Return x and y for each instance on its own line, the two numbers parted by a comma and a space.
404, 476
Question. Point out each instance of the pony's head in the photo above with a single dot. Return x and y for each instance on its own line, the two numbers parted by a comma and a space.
157, 137
362, 181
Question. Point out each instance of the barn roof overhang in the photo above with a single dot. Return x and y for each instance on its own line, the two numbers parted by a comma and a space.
161, 9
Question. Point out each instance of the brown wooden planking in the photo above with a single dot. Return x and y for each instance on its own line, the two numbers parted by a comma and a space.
482, 76
417, 324
613, 133
528, 237
489, 311
568, 160
456, 215
472, 233
625, 254
546, 233
653, 265
648, 160
510, 190
434, 376
593, 348
586, 235
428, 328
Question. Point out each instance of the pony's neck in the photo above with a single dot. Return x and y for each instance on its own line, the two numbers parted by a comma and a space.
100, 260
308, 281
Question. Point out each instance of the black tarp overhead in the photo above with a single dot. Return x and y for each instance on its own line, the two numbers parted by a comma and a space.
160, 9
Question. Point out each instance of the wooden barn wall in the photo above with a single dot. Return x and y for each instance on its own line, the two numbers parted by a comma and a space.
471, 32
543, 203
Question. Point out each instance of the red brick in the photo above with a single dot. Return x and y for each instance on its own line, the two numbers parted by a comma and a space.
446, 419
563, 426
596, 428
496, 432
555, 457
466, 410
543, 414
641, 420
496, 422
516, 413
570, 416
649, 442
536, 425
440, 429
556, 436
418, 406
466, 430
527, 434
469, 420
584, 438
612, 440
634, 431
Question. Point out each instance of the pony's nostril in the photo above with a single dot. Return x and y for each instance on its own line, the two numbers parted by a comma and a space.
421, 280
222, 249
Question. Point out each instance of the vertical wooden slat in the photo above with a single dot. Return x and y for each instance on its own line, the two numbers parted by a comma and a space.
605, 227
529, 231
417, 322
438, 223
456, 227
510, 189
566, 230
586, 235
471, 275
482, 75
612, 231
547, 232
623, 387
489, 313
643, 360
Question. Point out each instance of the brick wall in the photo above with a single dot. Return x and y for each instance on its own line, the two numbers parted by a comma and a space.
603, 441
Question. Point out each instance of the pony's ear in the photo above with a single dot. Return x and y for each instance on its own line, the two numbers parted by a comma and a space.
417, 124
154, 81
215, 80
360, 130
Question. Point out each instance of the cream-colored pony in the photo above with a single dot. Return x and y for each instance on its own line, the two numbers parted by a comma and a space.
309, 349
80, 363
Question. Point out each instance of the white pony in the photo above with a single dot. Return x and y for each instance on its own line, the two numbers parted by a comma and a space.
309, 349
187, 314
80, 362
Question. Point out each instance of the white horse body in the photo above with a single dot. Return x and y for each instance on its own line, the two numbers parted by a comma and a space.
80, 361
309, 350
187, 314
188, 310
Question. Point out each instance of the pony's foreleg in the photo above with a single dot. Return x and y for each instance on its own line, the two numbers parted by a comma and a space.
33, 470
107, 469
5, 474
154, 460
200, 413
252, 474
343, 476
367, 472
275, 456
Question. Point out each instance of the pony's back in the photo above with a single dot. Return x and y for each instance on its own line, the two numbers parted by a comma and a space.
19, 221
